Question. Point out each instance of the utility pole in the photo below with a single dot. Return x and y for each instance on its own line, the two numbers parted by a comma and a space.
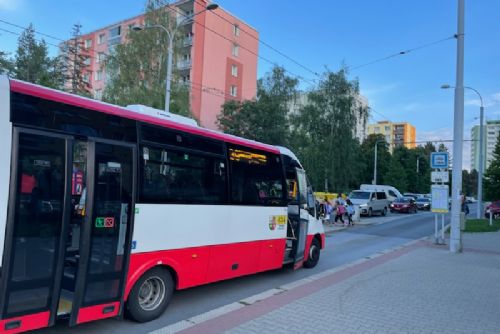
458, 134
482, 154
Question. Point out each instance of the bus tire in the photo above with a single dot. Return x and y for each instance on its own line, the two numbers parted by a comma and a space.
314, 252
150, 295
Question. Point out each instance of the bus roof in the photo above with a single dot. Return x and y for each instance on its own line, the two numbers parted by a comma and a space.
83, 102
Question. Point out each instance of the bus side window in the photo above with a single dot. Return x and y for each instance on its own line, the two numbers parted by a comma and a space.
256, 178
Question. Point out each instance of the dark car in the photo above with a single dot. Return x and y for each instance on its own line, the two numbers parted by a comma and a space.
493, 209
423, 203
404, 204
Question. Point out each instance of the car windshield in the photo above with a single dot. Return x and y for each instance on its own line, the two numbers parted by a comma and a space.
423, 200
359, 195
402, 200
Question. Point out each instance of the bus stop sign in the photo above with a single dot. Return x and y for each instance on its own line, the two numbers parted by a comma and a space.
439, 160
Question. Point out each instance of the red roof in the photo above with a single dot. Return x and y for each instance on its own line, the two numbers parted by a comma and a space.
83, 102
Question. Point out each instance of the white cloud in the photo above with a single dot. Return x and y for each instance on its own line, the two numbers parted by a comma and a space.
373, 92
10, 4
447, 134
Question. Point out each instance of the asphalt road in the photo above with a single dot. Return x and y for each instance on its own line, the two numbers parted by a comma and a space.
341, 248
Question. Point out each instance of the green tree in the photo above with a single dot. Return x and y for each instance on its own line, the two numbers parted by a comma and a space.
264, 119
32, 62
396, 174
137, 69
6, 64
368, 158
74, 60
492, 175
323, 133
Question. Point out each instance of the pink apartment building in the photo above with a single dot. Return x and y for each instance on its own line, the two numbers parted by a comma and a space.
216, 68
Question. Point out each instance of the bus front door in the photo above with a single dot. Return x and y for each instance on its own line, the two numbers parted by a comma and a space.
302, 219
105, 240
35, 233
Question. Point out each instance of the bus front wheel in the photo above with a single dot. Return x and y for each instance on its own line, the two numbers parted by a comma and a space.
150, 295
314, 252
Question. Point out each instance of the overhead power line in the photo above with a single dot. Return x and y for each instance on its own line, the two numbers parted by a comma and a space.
263, 43
299, 77
44, 34
404, 52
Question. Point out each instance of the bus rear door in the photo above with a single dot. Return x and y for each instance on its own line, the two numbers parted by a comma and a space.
106, 233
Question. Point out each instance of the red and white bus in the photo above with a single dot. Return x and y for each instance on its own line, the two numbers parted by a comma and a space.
105, 210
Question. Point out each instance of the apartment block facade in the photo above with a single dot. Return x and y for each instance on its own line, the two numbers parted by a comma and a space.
396, 134
361, 112
218, 59
491, 136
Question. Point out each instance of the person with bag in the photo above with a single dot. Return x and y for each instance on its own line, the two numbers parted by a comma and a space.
350, 210
339, 212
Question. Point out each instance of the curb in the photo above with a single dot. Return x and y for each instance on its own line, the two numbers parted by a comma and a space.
209, 315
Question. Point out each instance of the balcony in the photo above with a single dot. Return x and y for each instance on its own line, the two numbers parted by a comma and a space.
184, 64
188, 41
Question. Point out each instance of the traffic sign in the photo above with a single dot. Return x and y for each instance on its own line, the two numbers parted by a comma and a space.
439, 160
440, 177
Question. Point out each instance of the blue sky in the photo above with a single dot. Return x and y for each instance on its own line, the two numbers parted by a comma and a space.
329, 32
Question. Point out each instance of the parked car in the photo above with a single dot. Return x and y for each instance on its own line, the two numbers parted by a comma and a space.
423, 203
404, 204
391, 192
412, 195
493, 209
370, 202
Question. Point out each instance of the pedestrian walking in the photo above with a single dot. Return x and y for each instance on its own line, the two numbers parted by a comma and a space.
339, 212
350, 210
327, 210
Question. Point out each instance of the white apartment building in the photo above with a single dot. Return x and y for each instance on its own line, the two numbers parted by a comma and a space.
491, 135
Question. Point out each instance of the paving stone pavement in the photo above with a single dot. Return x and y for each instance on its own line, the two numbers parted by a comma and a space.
428, 290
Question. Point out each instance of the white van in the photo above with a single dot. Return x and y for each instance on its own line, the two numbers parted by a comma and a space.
391, 192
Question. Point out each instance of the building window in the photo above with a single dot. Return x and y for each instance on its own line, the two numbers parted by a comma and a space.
377, 129
387, 128
236, 30
178, 176
86, 78
100, 57
101, 38
234, 70
86, 61
88, 43
233, 91
256, 178
98, 75
236, 50
98, 94
115, 32
186, 78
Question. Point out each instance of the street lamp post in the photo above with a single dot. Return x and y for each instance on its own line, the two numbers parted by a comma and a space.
375, 162
481, 151
170, 50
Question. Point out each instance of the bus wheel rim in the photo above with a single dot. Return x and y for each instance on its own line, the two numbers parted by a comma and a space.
151, 293
313, 252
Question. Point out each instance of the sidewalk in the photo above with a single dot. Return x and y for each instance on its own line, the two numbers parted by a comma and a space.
417, 288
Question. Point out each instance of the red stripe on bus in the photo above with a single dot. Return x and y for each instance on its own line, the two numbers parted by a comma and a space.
74, 100
201, 265
26, 323
96, 312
